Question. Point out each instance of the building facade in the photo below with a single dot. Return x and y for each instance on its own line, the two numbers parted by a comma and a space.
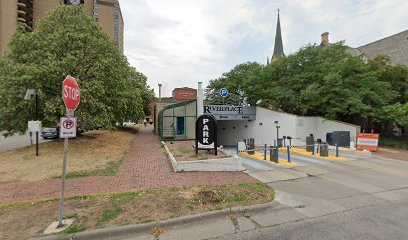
184, 93
26, 13
394, 46
179, 95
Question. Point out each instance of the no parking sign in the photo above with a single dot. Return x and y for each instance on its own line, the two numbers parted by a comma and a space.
68, 127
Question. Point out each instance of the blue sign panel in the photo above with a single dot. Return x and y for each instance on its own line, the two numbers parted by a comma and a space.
224, 92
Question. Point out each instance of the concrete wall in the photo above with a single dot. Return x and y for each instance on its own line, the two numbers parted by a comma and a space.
304, 127
325, 126
263, 129
8, 23
43, 8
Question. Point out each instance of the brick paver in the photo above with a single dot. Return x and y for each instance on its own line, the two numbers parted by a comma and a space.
146, 166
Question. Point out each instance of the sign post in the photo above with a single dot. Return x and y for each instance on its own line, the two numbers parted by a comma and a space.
223, 94
71, 96
34, 126
206, 133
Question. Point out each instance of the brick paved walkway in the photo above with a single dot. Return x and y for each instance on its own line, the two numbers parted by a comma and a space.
146, 166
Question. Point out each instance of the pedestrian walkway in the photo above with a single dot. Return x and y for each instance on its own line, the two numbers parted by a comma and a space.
146, 166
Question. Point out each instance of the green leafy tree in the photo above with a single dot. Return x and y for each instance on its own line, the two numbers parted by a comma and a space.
68, 42
236, 81
214, 98
325, 82
396, 114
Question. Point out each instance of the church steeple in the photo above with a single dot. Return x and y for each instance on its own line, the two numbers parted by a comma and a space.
278, 48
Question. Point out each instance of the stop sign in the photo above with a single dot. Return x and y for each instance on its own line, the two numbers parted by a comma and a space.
70, 93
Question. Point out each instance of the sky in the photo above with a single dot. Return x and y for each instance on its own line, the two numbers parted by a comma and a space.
179, 43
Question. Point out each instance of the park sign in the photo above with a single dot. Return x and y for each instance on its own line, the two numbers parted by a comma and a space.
70, 94
224, 92
206, 133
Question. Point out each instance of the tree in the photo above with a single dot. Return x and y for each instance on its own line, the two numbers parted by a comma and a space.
214, 98
235, 81
396, 114
326, 82
68, 42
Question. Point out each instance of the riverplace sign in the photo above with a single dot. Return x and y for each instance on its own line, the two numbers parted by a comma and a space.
224, 112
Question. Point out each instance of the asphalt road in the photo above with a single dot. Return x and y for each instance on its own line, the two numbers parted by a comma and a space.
384, 221
16, 141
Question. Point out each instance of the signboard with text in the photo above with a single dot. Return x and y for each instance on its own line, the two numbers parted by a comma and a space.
206, 133
68, 127
224, 112
367, 141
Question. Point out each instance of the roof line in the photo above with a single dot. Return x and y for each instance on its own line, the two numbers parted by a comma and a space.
383, 39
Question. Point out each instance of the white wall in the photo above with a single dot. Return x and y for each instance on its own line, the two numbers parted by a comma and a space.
304, 127
265, 133
298, 127
325, 126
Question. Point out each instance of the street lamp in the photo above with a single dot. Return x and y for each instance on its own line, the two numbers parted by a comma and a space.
29, 96
277, 133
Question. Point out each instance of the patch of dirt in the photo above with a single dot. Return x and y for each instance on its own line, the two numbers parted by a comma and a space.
31, 220
208, 196
395, 153
92, 151
184, 151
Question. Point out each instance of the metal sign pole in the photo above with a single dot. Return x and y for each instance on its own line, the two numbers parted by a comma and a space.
36, 119
64, 169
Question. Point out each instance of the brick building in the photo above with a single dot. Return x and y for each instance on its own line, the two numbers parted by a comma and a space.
184, 93
26, 13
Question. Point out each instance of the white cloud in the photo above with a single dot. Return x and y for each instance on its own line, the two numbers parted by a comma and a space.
181, 42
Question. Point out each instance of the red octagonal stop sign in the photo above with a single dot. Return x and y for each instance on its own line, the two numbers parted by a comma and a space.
70, 93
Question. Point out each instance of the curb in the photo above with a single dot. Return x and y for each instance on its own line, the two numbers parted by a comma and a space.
134, 229
197, 165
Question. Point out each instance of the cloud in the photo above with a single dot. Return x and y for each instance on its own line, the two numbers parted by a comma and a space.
180, 42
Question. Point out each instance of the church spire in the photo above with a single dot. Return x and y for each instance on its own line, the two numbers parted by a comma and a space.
278, 48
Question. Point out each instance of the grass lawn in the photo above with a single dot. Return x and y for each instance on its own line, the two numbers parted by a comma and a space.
184, 151
107, 210
93, 153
